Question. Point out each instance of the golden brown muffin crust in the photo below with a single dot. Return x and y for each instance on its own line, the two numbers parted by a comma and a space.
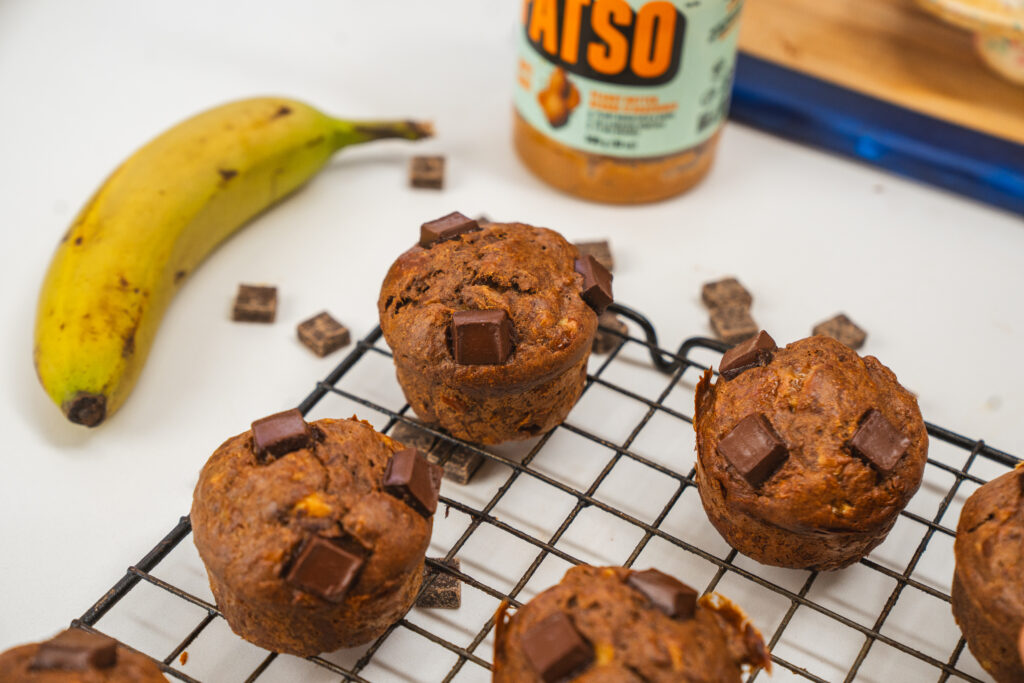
249, 519
633, 641
131, 667
814, 392
529, 272
988, 594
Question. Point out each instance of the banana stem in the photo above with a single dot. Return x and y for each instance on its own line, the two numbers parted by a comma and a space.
355, 132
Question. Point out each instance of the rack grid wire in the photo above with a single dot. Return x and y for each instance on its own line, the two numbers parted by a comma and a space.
605, 487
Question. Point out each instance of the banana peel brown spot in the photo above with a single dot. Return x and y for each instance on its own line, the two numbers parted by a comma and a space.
128, 348
178, 277
227, 174
315, 141
86, 408
283, 110
78, 240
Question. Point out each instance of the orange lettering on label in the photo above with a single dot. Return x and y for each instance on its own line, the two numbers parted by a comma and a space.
544, 20
571, 29
611, 57
652, 52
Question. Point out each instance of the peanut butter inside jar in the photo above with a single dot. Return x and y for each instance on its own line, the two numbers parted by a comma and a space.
611, 179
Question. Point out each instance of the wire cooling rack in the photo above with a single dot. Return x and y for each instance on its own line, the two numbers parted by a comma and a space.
613, 485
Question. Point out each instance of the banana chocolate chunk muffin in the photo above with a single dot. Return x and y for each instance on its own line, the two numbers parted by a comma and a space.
491, 326
77, 656
806, 455
313, 535
615, 624
988, 582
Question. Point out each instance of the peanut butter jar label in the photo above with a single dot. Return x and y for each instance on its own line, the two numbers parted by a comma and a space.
627, 78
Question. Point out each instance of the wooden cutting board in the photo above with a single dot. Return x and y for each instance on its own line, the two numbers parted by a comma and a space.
889, 49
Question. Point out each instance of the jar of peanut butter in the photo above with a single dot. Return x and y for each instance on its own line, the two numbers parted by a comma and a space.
623, 100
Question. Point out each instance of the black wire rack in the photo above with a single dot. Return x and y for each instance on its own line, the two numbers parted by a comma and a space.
608, 486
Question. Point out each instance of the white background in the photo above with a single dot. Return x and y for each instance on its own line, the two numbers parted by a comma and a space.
934, 278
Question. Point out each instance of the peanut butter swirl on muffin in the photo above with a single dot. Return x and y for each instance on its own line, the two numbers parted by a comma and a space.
313, 535
491, 326
807, 454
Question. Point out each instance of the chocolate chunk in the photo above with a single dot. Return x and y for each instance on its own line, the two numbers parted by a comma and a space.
322, 334
481, 337
608, 339
597, 283
878, 442
749, 354
443, 590
324, 568
754, 449
726, 292
843, 330
599, 250
410, 477
446, 228
668, 594
75, 650
255, 304
427, 172
459, 463
733, 324
555, 648
280, 434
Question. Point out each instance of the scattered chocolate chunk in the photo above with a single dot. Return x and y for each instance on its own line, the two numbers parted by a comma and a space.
597, 283
754, 449
255, 304
668, 594
324, 568
749, 354
599, 250
843, 330
878, 442
411, 478
555, 648
459, 463
733, 324
443, 590
446, 228
726, 292
322, 334
614, 333
427, 172
481, 337
75, 650
280, 434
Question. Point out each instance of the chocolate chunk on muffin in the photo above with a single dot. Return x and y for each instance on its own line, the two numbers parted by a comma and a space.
491, 326
988, 595
77, 656
807, 454
313, 535
616, 624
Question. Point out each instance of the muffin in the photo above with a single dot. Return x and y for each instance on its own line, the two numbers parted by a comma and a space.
807, 454
491, 326
76, 656
988, 595
611, 624
313, 535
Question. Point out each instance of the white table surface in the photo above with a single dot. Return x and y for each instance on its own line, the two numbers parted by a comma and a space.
934, 278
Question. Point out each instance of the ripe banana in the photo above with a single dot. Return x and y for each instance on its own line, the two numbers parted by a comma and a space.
154, 220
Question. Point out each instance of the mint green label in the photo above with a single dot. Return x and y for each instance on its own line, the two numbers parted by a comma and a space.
627, 78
